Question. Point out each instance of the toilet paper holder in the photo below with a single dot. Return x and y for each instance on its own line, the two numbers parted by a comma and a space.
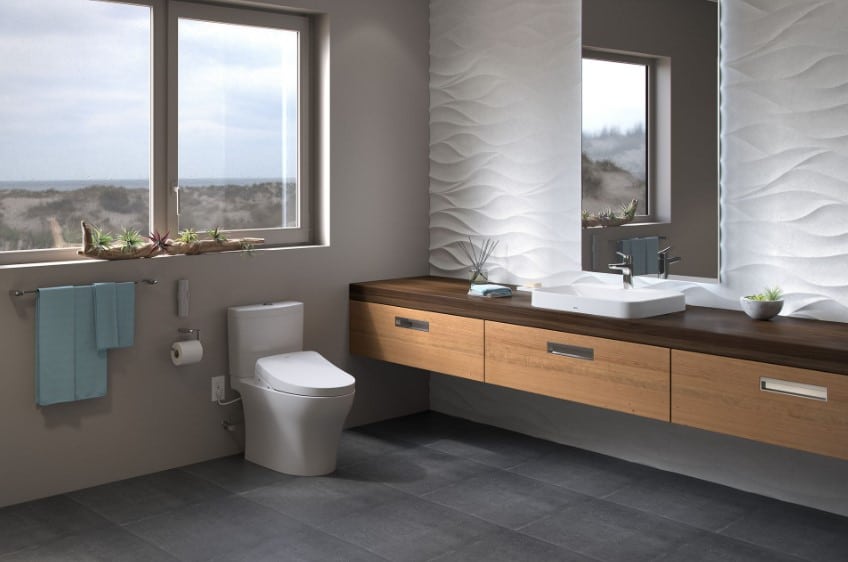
192, 333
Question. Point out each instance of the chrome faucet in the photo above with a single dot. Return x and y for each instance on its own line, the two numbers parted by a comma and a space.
626, 269
663, 261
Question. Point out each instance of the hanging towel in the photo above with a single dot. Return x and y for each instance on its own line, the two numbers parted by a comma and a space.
68, 364
125, 294
114, 314
643, 251
54, 345
89, 362
105, 315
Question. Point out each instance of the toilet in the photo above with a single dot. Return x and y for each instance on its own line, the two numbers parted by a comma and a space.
295, 401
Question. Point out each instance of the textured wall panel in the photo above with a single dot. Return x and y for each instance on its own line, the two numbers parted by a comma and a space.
785, 151
505, 135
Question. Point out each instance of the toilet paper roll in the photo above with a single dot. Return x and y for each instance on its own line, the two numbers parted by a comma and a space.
186, 352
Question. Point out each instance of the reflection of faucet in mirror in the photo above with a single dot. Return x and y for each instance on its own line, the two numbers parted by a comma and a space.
663, 261
626, 269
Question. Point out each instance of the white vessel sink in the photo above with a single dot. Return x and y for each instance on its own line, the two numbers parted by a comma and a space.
608, 300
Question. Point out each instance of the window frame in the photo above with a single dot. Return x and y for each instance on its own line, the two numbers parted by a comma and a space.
163, 123
250, 17
652, 126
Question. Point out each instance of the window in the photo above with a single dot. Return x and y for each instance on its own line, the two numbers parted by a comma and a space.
74, 120
151, 115
617, 133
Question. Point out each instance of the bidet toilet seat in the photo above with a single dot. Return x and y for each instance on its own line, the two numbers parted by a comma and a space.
305, 373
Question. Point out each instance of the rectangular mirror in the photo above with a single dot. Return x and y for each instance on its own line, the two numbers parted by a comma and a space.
650, 135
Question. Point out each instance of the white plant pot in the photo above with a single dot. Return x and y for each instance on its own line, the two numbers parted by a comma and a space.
761, 310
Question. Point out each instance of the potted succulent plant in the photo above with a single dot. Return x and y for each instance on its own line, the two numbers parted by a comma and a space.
763, 306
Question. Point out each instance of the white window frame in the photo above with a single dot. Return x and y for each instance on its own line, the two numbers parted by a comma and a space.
251, 17
163, 124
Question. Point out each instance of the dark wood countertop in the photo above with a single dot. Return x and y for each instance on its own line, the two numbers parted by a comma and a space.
795, 342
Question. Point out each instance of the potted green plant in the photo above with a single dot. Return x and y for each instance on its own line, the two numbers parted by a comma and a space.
763, 306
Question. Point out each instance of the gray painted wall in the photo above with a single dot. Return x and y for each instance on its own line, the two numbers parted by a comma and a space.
156, 416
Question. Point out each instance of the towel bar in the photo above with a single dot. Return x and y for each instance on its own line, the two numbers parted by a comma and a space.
20, 293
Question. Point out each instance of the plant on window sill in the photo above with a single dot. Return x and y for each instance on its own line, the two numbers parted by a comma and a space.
609, 217
129, 245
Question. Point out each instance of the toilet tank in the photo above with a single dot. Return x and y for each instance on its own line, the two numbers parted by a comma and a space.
259, 330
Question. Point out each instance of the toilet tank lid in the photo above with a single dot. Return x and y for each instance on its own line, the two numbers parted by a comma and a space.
306, 373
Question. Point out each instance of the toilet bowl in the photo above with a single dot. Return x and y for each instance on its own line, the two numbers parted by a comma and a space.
295, 402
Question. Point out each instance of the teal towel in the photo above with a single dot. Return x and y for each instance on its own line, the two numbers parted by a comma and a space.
89, 361
54, 345
105, 315
114, 314
125, 294
490, 290
68, 364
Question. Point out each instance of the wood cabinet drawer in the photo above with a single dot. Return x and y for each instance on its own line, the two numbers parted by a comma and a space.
447, 344
621, 376
786, 406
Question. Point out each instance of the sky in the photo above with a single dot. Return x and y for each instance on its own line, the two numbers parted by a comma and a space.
613, 95
75, 94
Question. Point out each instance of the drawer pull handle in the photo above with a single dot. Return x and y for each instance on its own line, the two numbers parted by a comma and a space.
572, 351
794, 388
410, 324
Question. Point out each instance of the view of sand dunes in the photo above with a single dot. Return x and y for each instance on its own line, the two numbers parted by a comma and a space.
614, 170
50, 218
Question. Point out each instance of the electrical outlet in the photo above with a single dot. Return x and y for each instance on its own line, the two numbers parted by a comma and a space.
218, 388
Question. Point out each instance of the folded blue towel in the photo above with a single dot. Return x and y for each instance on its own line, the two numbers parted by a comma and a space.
68, 365
114, 314
54, 345
490, 290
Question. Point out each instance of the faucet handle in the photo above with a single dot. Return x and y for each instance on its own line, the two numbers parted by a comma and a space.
628, 259
665, 251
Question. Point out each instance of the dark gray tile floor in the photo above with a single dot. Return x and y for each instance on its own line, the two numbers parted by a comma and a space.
424, 487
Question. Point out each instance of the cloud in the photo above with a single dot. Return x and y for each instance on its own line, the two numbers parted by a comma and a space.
75, 93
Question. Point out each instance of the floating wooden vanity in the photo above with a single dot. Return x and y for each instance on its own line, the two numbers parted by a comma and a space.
783, 382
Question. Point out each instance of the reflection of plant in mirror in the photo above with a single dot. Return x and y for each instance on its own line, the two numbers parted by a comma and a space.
609, 217
188, 236
768, 294
130, 240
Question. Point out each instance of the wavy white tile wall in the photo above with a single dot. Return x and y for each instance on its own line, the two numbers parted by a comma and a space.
505, 135
785, 151
505, 145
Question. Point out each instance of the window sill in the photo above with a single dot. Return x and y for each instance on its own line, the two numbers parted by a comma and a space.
77, 259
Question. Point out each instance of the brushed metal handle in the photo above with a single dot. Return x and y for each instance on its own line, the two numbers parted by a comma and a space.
411, 324
799, 389
573, 351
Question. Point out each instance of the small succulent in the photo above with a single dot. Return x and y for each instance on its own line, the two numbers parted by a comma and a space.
628, 210
100, 239
160, 241
130, 240
768, 294
217, 234
188, 236
248, 248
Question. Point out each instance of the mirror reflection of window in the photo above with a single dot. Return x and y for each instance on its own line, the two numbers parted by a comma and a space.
615, 135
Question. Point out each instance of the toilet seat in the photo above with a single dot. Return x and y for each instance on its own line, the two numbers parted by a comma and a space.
305, 373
